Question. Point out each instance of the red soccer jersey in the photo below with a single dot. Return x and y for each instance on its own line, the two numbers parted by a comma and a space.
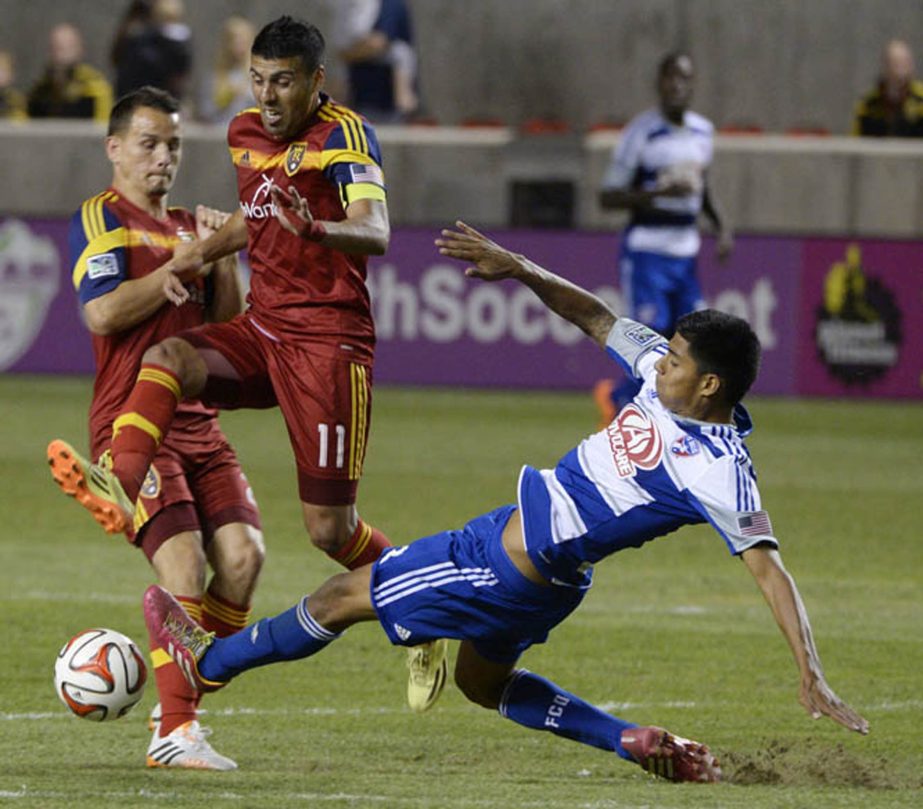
111, 241
301, 289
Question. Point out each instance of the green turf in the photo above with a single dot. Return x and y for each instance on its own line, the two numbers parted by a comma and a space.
674, 634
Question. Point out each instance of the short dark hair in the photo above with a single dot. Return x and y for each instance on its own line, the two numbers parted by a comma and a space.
724, 345
670, 60
147, 96
287, 37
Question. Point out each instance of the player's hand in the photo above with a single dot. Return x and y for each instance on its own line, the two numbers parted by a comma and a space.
187, 263
819, 700
209, 221
291, 210
676, 187
491, 261
174, 289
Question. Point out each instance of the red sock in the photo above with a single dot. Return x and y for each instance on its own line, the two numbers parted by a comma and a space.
221, 616
145, 419
178, 700
364, 547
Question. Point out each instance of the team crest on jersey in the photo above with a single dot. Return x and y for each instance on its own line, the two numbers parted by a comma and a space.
685, 446
151, 486
294, 158
635, 441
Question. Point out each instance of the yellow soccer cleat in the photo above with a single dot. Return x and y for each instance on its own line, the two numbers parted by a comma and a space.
428, 669
94, 486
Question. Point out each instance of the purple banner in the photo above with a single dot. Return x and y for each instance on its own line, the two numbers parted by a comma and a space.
437, 326
835, 317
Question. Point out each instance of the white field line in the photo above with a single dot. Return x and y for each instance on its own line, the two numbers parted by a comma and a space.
611, 706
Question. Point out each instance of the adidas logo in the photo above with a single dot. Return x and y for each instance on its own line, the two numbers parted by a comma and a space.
402, 632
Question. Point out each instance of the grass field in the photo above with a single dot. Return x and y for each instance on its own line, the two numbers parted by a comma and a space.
675, 634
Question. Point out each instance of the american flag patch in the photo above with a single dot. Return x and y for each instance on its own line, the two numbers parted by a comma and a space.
755, 524
366, 173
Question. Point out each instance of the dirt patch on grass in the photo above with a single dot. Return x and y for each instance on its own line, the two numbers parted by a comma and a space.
807, 765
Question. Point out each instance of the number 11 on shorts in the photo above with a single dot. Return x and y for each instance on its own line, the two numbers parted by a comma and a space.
323, 454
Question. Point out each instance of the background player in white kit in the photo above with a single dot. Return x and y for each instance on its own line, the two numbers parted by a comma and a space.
659, 173
675, 456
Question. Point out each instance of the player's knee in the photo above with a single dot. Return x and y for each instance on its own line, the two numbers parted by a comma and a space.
477, 690
335, 603
326, 529
239, 560
182, 359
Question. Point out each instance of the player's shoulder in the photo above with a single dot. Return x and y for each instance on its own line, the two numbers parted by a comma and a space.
645, 122
345, 128
698, 123
244, 124
97, 215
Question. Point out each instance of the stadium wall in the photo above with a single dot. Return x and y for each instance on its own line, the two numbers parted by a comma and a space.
836, 317
776, 64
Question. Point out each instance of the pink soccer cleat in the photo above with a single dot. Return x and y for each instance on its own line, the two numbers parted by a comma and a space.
672, 757
178, 635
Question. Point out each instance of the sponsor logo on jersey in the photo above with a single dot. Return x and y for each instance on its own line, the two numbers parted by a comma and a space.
294, 158
641, 335
635, 441
151, 486
686, 446
103, 265
260, 205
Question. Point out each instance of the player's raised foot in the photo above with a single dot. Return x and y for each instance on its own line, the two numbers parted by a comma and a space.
602, 396
94, 486
672, 757
186, 747
182, 638
428, 670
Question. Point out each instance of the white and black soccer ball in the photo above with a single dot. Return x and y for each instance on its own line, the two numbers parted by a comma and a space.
100, 674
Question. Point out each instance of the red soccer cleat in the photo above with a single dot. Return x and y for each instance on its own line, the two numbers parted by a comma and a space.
671, 757
177, 634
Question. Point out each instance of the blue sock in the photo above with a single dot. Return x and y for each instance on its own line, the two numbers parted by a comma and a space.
539, 704
290, 635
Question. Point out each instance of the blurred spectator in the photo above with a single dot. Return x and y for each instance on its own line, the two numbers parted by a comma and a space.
69, 88
227, 90
375, 40
894, 109
153, 46
12, 102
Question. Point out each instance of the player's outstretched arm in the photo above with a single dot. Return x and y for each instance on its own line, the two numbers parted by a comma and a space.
785, 601
491, 262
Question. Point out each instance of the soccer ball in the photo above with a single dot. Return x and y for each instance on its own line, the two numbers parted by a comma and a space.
100, 674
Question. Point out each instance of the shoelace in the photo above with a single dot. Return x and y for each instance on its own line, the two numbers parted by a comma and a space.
192, 638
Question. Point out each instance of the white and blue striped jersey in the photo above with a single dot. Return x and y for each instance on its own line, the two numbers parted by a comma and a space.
648, 473
650, 151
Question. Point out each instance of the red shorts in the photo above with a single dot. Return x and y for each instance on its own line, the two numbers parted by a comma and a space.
194, 484
324, 391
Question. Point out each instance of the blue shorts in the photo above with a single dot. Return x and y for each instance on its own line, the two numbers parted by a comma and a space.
461, 584
660, 289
